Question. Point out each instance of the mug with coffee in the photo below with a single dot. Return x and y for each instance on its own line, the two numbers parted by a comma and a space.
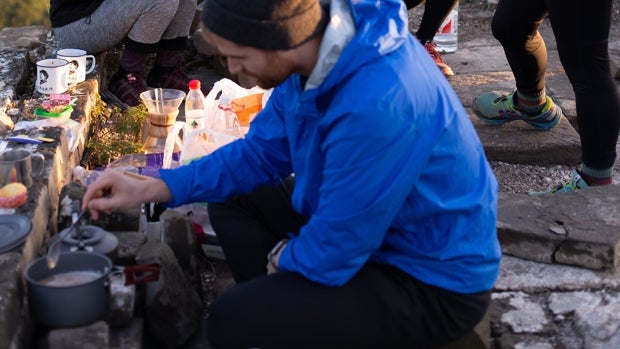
52, 76
20, 165
80, 63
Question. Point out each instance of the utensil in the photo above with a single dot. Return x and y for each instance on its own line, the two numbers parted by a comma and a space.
53, 253
78, 229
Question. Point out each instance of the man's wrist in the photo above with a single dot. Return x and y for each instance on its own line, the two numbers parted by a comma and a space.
275, 252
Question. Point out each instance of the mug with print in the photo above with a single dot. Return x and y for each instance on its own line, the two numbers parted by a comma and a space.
52, 76
80, 63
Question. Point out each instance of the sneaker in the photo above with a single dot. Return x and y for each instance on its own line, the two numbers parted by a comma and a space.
175, 78
496, 108
573, 184
126, 87
445, 68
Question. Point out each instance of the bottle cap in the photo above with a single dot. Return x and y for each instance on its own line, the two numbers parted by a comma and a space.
194, 85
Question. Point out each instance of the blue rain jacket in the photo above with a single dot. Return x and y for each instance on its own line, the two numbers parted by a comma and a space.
387, 164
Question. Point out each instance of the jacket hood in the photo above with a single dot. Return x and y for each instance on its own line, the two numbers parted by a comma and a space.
359, 31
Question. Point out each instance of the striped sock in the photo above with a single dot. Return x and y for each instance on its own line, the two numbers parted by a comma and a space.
596, 176
531, 103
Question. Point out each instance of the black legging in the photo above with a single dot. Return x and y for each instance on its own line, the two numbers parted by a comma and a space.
581, 29
380, 307
435, 11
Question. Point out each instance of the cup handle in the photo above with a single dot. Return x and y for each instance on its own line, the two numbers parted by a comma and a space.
92, 64
38, 169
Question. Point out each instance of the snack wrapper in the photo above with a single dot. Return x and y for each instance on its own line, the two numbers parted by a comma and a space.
56, 103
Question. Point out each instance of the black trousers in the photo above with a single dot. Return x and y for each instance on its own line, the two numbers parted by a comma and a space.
380, 307
581, 29
435, 11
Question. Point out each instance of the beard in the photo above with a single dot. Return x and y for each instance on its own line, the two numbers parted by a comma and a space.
277, 72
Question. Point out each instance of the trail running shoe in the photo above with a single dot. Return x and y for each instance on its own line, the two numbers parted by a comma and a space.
445, 68
573, 184
497, 108
126, 87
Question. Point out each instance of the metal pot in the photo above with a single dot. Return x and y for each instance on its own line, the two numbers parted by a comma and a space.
69, 305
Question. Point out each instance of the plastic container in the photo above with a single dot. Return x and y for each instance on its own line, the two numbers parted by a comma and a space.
194, 106
232, 122
447, 38
247, 107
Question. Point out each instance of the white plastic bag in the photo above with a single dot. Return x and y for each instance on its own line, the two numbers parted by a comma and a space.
196, 143
214, 120
200, 142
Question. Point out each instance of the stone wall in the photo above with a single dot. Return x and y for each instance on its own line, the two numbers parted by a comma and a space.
46, 205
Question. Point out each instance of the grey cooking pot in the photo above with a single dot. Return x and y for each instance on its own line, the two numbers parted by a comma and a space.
70, 304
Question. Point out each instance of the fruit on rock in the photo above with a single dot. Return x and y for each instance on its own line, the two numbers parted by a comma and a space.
13, 195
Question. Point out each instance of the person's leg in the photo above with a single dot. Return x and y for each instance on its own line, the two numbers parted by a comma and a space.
515, 25
169, 70
139, 25
581, 30
435, 11
249, 226
380, 307
143, 21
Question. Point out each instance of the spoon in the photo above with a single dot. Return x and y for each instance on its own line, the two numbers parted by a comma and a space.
53, 253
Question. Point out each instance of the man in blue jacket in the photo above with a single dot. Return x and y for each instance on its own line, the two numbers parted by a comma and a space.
359, 211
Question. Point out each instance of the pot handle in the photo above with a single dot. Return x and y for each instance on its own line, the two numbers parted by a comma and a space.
139, 274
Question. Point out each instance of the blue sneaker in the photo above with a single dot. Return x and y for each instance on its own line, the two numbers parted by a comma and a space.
573, 184
497, 108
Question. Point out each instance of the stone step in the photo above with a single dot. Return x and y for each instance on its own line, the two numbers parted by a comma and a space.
579, 228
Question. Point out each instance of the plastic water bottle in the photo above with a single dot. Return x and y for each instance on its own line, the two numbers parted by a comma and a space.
194, 106
447, 38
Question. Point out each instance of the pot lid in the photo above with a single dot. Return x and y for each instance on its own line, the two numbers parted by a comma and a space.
14, 230
94, 238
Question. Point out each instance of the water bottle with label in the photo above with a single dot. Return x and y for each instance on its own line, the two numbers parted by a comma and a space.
447, 38
194, 106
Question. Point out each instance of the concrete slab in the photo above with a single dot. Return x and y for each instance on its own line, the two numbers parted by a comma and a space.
563, 228
519, 143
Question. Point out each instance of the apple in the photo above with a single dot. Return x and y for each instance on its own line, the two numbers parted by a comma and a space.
13, 195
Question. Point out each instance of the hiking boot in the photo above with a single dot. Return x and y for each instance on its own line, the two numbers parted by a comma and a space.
445, 68
573, 184
497, 108
126, 87
174, 77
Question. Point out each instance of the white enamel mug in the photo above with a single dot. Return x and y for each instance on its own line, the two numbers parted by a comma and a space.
80, 63
52, 76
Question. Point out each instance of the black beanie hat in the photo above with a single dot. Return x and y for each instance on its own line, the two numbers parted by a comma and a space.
265, 24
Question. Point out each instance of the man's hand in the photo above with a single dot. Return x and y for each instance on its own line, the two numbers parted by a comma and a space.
117, 190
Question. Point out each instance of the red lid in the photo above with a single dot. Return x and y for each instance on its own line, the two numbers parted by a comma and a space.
194, 85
